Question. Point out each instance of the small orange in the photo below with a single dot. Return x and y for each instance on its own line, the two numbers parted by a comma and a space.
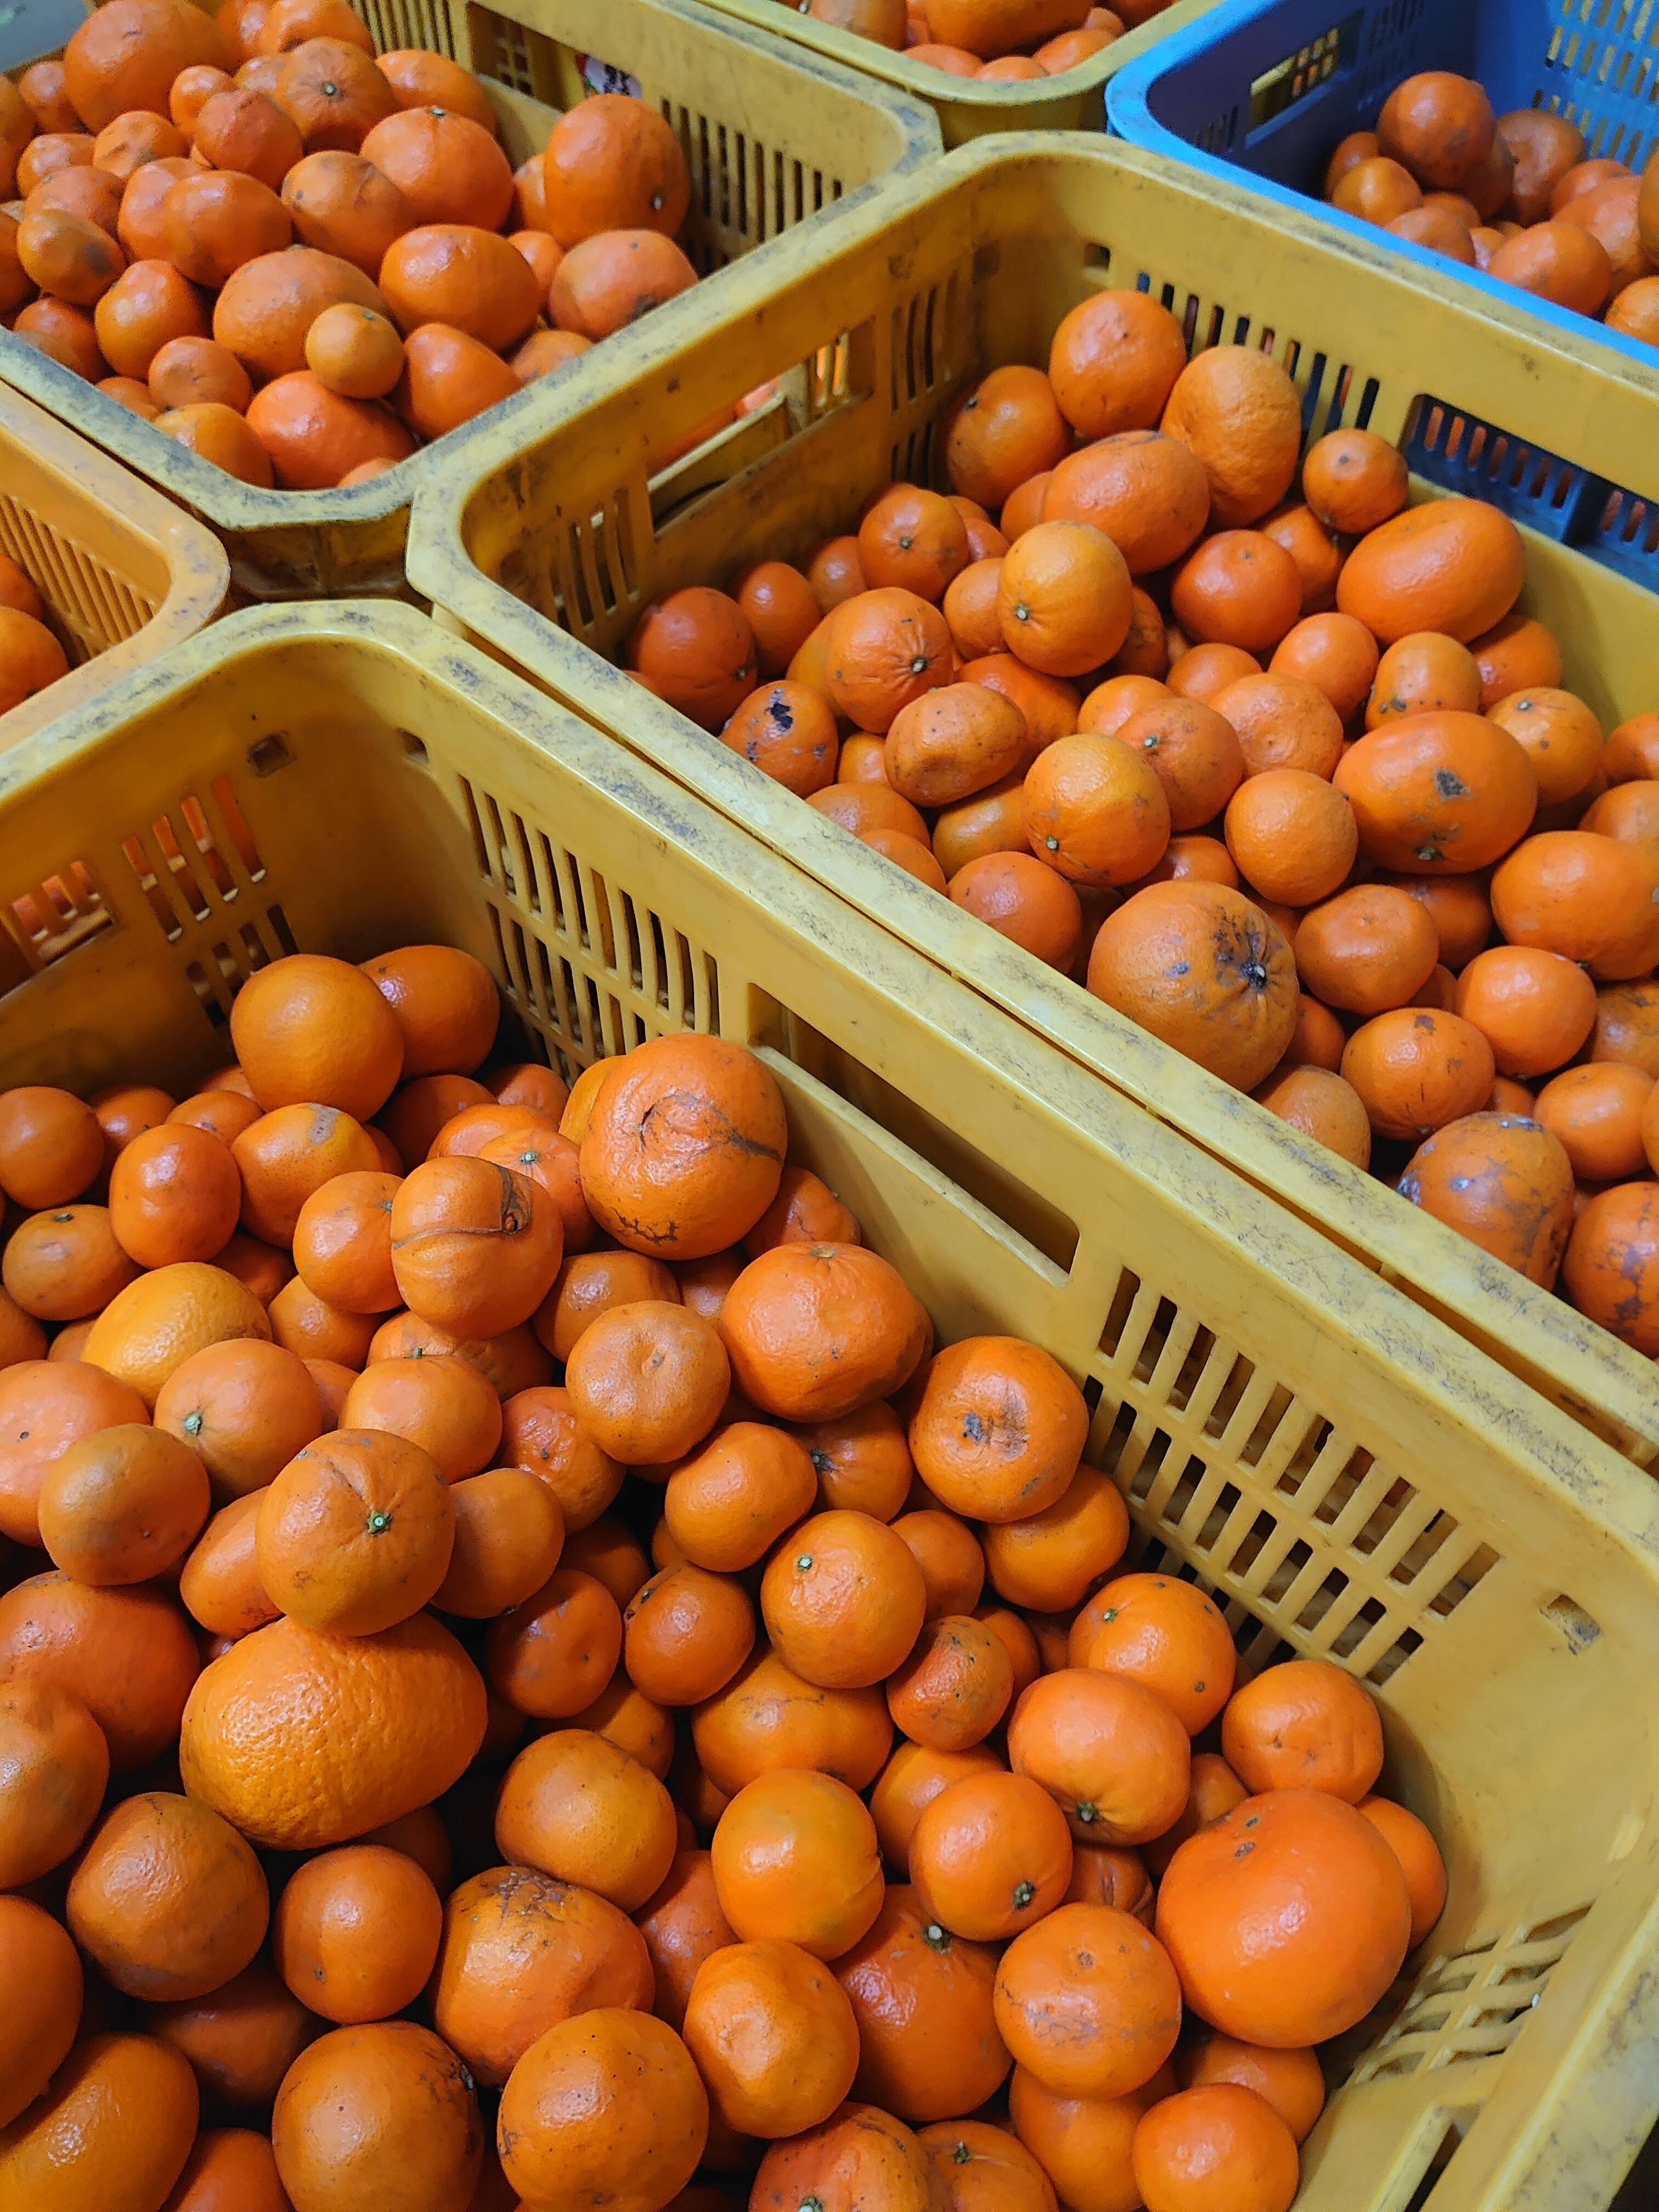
1305, 1724
795, 1860
579, 1808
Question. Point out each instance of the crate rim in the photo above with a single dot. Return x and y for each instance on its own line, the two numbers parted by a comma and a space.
893, 67
199, 568
1112, 1049
1130, 117
226, 503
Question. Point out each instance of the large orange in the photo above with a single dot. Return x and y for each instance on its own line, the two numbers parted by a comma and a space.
149, 1329
303, 1739
685, 1147
1294, 1940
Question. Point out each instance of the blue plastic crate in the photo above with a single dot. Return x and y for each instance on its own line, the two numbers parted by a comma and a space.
1271, 87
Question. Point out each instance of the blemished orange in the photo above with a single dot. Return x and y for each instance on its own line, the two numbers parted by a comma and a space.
520, 1951
929, 2047
683, 1147
998, 1429
1122, 2009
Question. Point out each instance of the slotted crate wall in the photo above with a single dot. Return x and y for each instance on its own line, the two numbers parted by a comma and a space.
122, 575
1347, 1476
772, 138
1268, 87
547, 545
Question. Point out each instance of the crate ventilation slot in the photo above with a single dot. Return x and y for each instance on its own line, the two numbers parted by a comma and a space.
395, 25
54, 915
1330, 1546
592, 970
1608, 52
1553, 496
1474, 2005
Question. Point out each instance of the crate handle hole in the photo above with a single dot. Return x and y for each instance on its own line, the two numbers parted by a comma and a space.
265, 755
1580, 1628
414, 749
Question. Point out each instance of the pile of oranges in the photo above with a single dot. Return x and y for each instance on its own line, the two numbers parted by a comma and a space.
1511, 194
303, 270
992, 39
31, 656
466, 1788
1263, 756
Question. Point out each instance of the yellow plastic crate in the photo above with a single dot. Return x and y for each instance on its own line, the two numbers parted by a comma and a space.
1349, 1479
123, 573
546, 542
966, 109
772, 137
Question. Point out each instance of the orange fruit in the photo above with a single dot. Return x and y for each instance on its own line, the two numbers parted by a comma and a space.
1316, 1864
795, 1860
1219, 2137
1114, 362
42, 1981
928, 2044
1121, 2008
356, 1933
607, 2104
791, 2078
122, 1505
1111, 1754
354, 1534
1305, 1725
362, 2100
374, 1727
990, 1854
520, 1951
167, 1899
1164, 1633
126, 2103
1240, 414
998, 1429
54, 1763
580, 1810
